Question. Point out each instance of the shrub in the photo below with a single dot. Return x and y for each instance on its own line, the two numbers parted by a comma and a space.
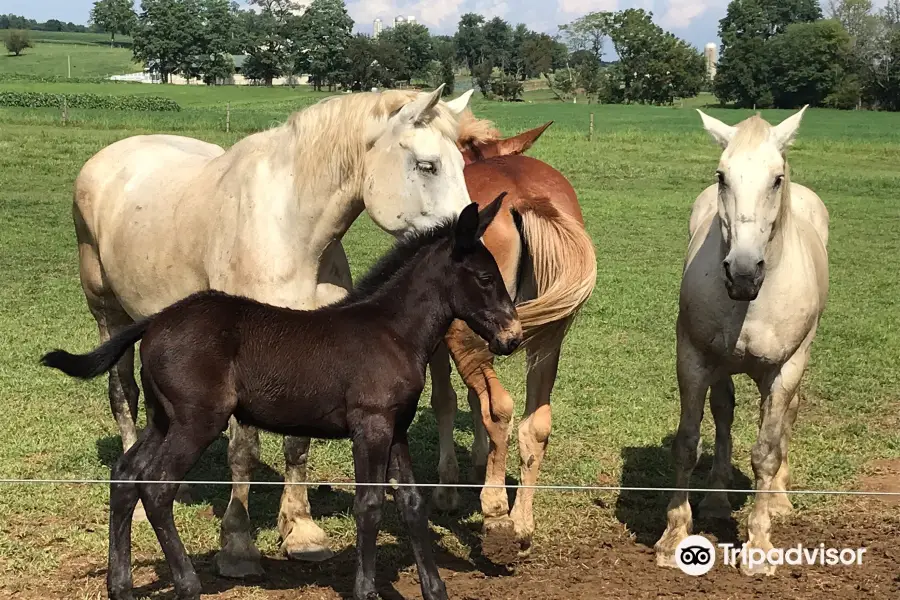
95, 101
16, 40
507, 87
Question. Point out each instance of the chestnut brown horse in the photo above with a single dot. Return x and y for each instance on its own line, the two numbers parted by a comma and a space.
548, 264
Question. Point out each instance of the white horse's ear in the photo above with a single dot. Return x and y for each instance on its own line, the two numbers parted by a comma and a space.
412, 112
722, 133
783, 134
458, 105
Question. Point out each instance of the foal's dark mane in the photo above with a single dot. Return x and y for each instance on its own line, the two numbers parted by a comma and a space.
398, 260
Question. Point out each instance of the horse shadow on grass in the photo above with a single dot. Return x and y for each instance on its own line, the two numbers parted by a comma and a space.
339, 571
644, 512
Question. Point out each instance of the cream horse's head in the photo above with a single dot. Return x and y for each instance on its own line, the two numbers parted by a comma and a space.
753, 195
414, 170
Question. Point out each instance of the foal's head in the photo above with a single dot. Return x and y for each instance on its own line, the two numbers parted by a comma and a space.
478, 294
754, 195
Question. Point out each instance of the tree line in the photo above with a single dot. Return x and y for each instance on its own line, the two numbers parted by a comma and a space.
784, 53
16, 22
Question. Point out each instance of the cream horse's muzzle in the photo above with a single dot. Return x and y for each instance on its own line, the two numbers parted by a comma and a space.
744, 277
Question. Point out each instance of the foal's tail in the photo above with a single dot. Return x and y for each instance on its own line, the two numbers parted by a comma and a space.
102, 359
565, 271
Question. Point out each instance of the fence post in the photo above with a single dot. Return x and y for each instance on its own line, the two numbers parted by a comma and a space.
591, 130
69, 59
65, 111
228, 117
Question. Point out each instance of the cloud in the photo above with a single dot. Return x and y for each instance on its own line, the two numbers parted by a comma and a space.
585, 6
681, 13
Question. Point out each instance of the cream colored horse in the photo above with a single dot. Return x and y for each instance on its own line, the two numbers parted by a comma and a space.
159, 217
754, 287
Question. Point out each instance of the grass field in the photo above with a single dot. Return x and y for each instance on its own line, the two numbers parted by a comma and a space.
50, 59
615, 401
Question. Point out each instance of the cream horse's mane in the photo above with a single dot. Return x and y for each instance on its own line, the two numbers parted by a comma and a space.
338, 130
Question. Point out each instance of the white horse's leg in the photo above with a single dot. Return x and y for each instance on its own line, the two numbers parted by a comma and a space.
534, 433
694, 378
721, 403
443, 401
780, 504
302, 538
239, 557
778, 407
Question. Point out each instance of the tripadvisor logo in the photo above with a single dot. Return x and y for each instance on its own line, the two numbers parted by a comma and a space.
695, 555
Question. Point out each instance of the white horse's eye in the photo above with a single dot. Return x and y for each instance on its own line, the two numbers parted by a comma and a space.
778, 181
426, 166
721, 177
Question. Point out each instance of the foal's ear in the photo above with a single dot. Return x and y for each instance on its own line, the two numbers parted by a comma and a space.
722, 133
486, 216
783, 134
466, 234
522, 142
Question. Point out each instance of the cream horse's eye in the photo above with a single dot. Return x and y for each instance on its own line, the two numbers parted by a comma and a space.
721, 176
779, 179
426, 166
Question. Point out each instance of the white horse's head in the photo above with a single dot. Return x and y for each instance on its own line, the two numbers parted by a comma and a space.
753, 195
413, 168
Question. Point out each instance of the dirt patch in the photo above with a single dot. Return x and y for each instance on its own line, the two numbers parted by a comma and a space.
882, 476
595, 565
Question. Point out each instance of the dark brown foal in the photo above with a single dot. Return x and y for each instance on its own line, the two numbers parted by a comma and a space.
354, 369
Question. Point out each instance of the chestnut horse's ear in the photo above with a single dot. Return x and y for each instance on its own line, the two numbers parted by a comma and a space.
520, 143
486, 216
465, 235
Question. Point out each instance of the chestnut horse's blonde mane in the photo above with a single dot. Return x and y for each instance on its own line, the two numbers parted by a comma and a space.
475, 131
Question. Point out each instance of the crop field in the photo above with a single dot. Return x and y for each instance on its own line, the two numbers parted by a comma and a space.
615, 402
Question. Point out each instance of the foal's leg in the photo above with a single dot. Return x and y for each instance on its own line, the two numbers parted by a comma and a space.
444, 403
721, 403
480, 442
694, 378
414, 514
123, 497
371, 455
778, 408
534, 432
239, 557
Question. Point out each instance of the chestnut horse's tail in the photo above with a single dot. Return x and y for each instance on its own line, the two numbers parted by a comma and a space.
564, 268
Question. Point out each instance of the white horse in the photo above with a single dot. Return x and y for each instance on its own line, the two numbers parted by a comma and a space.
159, 217
754, 287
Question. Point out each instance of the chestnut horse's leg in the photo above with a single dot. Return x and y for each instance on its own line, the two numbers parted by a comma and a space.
371, 455
413, 512
444, 403
534, 432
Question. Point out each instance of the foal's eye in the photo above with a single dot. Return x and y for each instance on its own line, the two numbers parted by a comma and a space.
778, 181
426, 166
485, 279
721, 177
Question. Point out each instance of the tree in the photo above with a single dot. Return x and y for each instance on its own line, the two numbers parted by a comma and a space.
779, 14
114, 16
807, 62
219, 25
16, 41
538, 55
444, 48
498, 43
589, 32
166, 37
324, 33
470, 40
654, 66
891, 13
414, 45
741, 72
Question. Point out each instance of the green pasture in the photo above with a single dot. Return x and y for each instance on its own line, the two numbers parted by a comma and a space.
615, 404
50, 58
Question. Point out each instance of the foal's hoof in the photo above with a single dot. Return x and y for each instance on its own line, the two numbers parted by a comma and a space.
446, 499
306, 542
238, 567
499, 544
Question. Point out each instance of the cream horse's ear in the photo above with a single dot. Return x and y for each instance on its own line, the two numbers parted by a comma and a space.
458, 105
413, 111
722, 133
783, 134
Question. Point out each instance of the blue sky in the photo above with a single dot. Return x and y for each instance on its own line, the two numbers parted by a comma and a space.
694, 20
